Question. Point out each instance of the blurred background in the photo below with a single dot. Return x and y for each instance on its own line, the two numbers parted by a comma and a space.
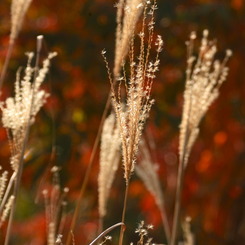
214, 185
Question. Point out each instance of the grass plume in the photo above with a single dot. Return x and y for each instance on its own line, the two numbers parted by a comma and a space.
128, 13
134, 110
204, 76
109, 161
18, 114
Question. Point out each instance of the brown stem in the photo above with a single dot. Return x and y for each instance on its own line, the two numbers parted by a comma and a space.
165, 223
177, 202
100, 228
6, 63
123, 214
180, 180
88, 170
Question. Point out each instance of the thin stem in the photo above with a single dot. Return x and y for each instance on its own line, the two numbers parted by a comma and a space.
100, 228
123, 214
180, 180
88, 170
6, 63
165, 223
177, 202
10, 219
106, 232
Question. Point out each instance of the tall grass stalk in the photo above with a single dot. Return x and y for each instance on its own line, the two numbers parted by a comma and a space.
132, 114
26, 136
204, 76
179, 188
19, 114
122, 24
109, 162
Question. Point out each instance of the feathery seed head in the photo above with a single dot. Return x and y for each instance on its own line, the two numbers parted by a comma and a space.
16, 110
127, 16
6, 210
109, 160
138, 84
20, 110
18, 11
3, 181
204, 76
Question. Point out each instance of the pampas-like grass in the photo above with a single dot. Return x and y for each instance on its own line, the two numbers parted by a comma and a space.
109, 160
132, 114
204, 76
18, 114
132, 106
131, 118
123, 39
18, 111
127, 16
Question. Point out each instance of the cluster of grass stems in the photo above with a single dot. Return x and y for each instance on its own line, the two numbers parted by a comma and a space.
137, 52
